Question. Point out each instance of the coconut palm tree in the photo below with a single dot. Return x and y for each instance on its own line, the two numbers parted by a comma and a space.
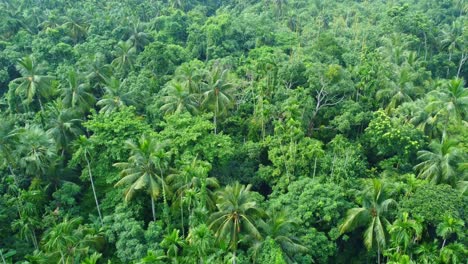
439, 163
450, 103
63, 125
145, 170
192, 187
125, 56
375, 208
31, 84
201, 240
136, 36
217, 96
236, 215
115, 97
36, 151
67, 240
76, 93
279, 227
77, 28
83, 149
178, 99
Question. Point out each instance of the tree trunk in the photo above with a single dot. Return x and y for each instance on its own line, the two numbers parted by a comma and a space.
443, 244
94, 189
1, 255
378, 254
315, 166
463, 59
153, 210
182, 217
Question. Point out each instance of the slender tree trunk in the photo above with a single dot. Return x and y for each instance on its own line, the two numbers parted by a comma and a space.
94, 189
153, 210
463, 59
378, 254
315, 166
1, 255
182, 217
443, 244
34, 239
62, 257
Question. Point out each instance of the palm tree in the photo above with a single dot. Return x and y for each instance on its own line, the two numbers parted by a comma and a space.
450, 103
173, 243
145, 170
136, 36
84, 148
36, 150
76, 93
115, 97
279, 227
31, 84
67, 240
405, 231
98, 72
448, 227
201, 240
439, 163
77, 29
63, 125
375, 207
427, 253
8, 141
399, 91
178, 99
125, 56
217, 95
193, 187
191, 75
237, 214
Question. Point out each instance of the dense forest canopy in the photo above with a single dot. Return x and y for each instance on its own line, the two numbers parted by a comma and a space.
236, 131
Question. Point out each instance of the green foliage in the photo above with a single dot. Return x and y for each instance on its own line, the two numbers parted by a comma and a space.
243, 131
432, 202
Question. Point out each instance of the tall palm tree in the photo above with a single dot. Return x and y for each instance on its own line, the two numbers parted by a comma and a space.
236, 215
375, 207
448, 227
36, 150
173, 244
217, 96
200, 239
63, 125
98, 71
76, 27
439, 163
279, 227
178, 99
398, 91
192, 187
404, 231
83, 149
67, 240
145, 170
76, 93
115, 97
427, 253
125, 56
32, 84
136, 35
449, 104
